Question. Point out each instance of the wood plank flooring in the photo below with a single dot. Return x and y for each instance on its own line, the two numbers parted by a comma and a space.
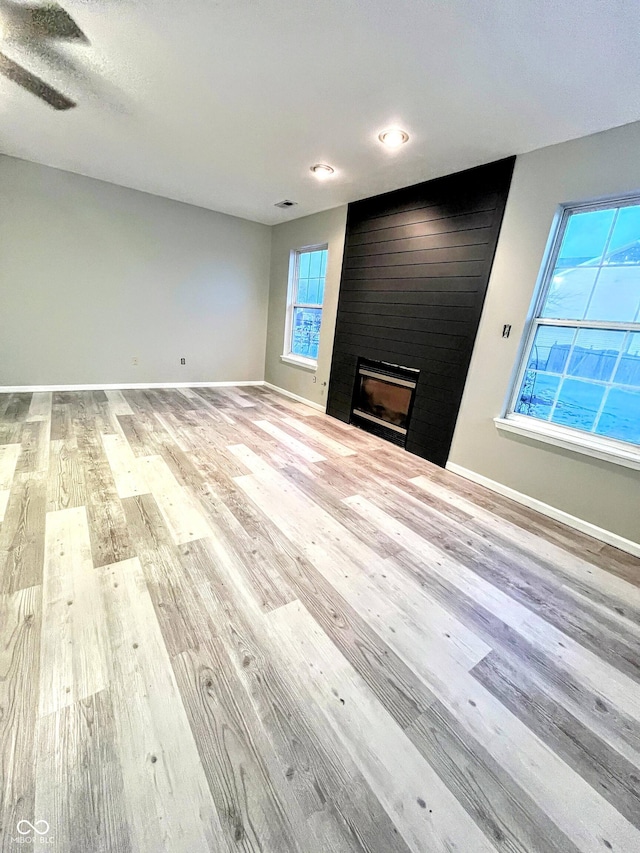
230, 623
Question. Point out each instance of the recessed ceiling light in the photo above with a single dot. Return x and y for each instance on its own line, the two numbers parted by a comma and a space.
322, 171
394, 137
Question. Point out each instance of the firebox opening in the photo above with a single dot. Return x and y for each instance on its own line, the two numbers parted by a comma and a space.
383, 397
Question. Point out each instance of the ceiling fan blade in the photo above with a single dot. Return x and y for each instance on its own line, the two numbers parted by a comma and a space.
17, 74
51, 21
38, 22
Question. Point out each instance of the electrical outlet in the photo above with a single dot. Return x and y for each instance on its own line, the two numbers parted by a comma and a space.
134, 361
183, 361
506, 330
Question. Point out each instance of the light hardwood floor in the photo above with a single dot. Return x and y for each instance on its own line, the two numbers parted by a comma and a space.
230, 623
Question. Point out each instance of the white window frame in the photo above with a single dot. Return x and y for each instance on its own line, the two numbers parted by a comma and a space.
292, 289
580, 441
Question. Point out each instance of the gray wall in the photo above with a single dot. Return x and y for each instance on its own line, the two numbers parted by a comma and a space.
328, 227
602, 493
92, 274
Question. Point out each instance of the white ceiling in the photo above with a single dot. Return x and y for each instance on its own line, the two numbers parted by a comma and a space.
227, 103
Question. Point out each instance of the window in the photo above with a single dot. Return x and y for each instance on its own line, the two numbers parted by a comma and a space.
581, 365
304, 310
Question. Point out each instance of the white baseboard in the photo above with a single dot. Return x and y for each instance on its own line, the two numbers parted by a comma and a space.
552, 512
124, 386
293, 396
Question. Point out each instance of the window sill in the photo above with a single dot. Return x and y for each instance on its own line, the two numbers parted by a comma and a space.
600, 448
299, 361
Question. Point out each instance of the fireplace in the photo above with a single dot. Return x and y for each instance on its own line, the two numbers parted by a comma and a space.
383, 398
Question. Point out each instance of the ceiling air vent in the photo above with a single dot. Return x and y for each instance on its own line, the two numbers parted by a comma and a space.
286, 203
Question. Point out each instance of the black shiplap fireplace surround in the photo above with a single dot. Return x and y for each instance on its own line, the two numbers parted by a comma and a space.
414, 277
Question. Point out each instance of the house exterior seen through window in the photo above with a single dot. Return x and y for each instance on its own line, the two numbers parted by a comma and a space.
581, 365
306, 297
